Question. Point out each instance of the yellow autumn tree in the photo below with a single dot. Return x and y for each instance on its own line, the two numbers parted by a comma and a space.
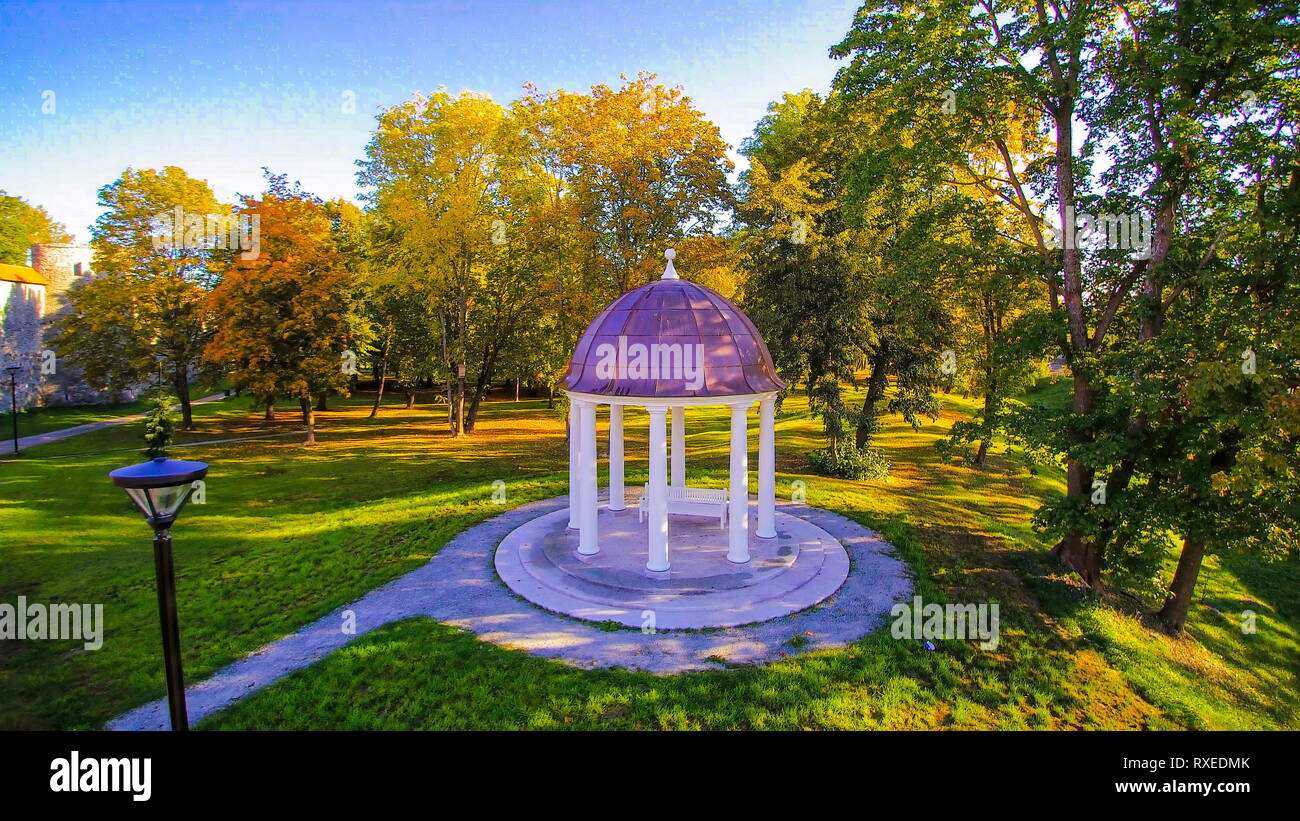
157, 249
459, 190
645, 169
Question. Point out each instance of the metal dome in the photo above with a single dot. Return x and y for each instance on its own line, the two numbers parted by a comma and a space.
672, 338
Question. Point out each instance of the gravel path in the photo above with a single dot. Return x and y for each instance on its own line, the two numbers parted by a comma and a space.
458, 587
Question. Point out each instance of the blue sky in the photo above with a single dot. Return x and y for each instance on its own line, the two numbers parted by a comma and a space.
222, 89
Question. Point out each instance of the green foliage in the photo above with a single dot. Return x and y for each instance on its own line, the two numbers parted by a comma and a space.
826, 400
150, 303
159, 424
106, 330
137, 234
847, 461
560, 407
1189, 112
23, 225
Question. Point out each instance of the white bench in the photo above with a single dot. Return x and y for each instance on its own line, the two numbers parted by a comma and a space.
689, 501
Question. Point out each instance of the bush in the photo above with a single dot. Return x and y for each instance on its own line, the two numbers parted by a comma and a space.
159, 424
849, 462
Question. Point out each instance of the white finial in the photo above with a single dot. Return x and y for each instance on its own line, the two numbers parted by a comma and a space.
669, 272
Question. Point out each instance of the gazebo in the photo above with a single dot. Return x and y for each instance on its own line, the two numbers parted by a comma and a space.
664, 347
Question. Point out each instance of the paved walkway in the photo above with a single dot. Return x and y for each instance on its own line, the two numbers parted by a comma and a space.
25, 442
458, 586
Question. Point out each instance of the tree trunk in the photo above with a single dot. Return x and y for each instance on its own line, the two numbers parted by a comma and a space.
410, 398
875, 392
320, 401
1174, 614
308, 419
458, 418
481, 386
379, 392
183, 393
517, 379
462, 331
982, 456
269, 416
1081, 553
446, 357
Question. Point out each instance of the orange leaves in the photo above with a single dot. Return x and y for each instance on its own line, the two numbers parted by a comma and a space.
285, 316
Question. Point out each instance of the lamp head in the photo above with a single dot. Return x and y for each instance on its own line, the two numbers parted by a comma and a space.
160, 487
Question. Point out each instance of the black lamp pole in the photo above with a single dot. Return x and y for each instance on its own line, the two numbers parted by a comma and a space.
160, 488
165, 574
13, 400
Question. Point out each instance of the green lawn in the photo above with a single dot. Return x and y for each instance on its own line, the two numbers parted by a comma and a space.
34, 421
43, 420
288, 534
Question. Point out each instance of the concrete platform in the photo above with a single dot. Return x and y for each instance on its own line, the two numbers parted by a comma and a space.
799, 568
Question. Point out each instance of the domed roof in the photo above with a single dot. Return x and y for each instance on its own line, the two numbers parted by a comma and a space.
672, 338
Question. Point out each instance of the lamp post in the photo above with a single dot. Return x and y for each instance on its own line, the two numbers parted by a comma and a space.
13, 399
160, 488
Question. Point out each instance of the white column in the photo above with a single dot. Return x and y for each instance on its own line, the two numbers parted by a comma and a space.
588, 538
766, 469
658, 492
679, 447
616, 495
574, 487
738, 535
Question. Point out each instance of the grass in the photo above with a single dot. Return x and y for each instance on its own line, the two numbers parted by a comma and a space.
35, 421
289, 533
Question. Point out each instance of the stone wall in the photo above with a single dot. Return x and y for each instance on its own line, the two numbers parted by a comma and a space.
21, 308
62, 263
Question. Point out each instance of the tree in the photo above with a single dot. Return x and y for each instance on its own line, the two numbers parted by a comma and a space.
799, 291
845, 253
1219, 464
157, 247
159, 424
407, 336
468, 213
431, 167
644, 168
570, 289
23, 225
107, 330
1157, 78
999, 323
287, 316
